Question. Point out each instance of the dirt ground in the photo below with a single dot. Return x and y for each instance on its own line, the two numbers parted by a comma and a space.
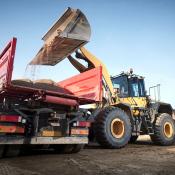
140, 158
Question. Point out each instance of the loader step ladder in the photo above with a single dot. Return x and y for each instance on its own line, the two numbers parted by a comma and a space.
147, 123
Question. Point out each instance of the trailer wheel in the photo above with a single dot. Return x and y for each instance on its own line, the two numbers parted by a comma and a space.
63, 149
133, 139
77, 148
2, 147
68, 149
12, 150
112, 128
164, 130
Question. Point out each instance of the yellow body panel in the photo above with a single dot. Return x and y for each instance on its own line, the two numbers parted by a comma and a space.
135, 101
140, 102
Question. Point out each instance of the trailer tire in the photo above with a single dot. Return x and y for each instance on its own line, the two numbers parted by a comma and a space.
164, 130
26, 149
112, 128
77, 148
68, 149
2, 148
133, 139
58, 149
63, 149
12, 150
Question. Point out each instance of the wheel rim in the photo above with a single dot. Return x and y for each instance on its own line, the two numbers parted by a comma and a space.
168, 130
117, 128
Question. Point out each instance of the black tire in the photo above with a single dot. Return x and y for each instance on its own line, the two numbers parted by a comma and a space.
133, 139
103, 131
2, 148
12, 150
26, 149
77, 148
160, 137
68, 149
59, 149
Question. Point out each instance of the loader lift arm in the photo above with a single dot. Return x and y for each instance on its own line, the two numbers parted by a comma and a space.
93, 62
70, 33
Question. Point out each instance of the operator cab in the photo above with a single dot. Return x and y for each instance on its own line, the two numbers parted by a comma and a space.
129, 85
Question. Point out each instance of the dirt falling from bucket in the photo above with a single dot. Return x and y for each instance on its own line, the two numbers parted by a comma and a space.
31, 72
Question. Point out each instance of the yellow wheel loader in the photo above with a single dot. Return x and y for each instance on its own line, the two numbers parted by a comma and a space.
124, 111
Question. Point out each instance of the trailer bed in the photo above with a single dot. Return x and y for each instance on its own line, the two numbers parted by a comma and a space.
81, 89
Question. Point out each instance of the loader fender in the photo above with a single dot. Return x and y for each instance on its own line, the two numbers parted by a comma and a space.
127, 109
160, 107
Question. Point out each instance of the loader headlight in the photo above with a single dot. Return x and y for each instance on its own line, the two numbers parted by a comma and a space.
23, 121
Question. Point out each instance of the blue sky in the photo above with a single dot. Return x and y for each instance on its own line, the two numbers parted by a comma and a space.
138, 34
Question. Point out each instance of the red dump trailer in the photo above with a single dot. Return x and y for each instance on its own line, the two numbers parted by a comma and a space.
42, 113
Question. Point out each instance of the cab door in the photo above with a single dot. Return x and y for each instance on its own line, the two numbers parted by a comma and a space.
131, 90
137, 92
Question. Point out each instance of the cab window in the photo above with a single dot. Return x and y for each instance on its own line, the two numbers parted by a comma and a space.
142, 88
121, 82
134, 90
136, 87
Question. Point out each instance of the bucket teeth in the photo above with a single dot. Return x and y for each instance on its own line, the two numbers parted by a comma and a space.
68, 34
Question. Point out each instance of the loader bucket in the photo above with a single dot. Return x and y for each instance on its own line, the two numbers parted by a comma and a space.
68, 34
